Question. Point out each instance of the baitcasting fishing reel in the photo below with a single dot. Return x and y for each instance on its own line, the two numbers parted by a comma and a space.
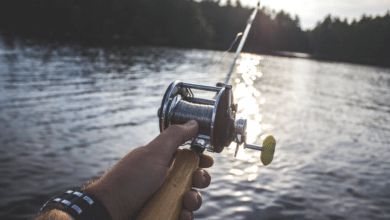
218, 126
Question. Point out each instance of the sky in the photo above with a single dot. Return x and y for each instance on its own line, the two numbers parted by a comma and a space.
312, 11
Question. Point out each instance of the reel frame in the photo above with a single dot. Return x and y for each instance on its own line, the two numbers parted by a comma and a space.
217, 131
223, 115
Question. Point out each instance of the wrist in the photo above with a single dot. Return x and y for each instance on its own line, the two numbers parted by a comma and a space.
78, 204
112, 202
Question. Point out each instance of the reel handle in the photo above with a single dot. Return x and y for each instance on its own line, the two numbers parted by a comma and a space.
269, 143
267, 151
166, 204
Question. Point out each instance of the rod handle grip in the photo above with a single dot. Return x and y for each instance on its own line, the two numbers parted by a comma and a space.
166, 203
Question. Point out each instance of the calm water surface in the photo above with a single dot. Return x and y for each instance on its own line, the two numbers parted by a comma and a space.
68, 113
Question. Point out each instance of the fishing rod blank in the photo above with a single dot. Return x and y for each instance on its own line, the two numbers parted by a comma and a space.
242, 42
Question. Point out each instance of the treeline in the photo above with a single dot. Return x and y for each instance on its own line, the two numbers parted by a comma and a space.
364, 41
170, 22
270, 31
188, 23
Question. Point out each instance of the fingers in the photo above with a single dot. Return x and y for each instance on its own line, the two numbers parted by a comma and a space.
192, 200
201, 179
170, 139
206, 161
186, 215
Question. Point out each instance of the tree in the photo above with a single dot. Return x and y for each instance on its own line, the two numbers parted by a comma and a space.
238, 4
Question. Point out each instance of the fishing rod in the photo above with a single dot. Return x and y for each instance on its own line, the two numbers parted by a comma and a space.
218, 128
242, 42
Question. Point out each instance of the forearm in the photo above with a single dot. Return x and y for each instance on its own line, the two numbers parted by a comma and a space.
54, 214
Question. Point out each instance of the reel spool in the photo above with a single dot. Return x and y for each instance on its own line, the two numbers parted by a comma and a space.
218, 126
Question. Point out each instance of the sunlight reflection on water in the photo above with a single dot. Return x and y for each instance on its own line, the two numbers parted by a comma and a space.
249, 100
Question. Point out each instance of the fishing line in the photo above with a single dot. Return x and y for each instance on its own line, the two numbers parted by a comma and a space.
239, 48
225, 52
238, 35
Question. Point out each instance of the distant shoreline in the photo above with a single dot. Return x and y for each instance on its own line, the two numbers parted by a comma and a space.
385, 62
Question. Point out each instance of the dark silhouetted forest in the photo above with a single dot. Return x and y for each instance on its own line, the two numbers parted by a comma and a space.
364, 41
188, 23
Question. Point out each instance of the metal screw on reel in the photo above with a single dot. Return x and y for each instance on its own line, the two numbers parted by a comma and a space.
269, 143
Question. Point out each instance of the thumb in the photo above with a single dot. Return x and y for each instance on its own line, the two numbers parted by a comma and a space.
170, 139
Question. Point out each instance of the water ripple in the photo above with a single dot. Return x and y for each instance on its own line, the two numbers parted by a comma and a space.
68, 113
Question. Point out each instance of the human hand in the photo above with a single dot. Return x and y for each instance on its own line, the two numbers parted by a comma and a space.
137, 176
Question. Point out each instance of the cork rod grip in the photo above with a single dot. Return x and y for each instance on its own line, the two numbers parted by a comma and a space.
166, 204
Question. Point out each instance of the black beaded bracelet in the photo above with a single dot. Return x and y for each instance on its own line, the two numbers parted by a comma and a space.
79, 204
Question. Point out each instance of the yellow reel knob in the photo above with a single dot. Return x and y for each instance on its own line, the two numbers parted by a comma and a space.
267, 150
267, 153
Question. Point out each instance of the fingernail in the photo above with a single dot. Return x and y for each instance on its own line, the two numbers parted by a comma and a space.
207, 181
190, 124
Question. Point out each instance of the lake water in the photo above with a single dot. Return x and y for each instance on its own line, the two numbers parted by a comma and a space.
68, 113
